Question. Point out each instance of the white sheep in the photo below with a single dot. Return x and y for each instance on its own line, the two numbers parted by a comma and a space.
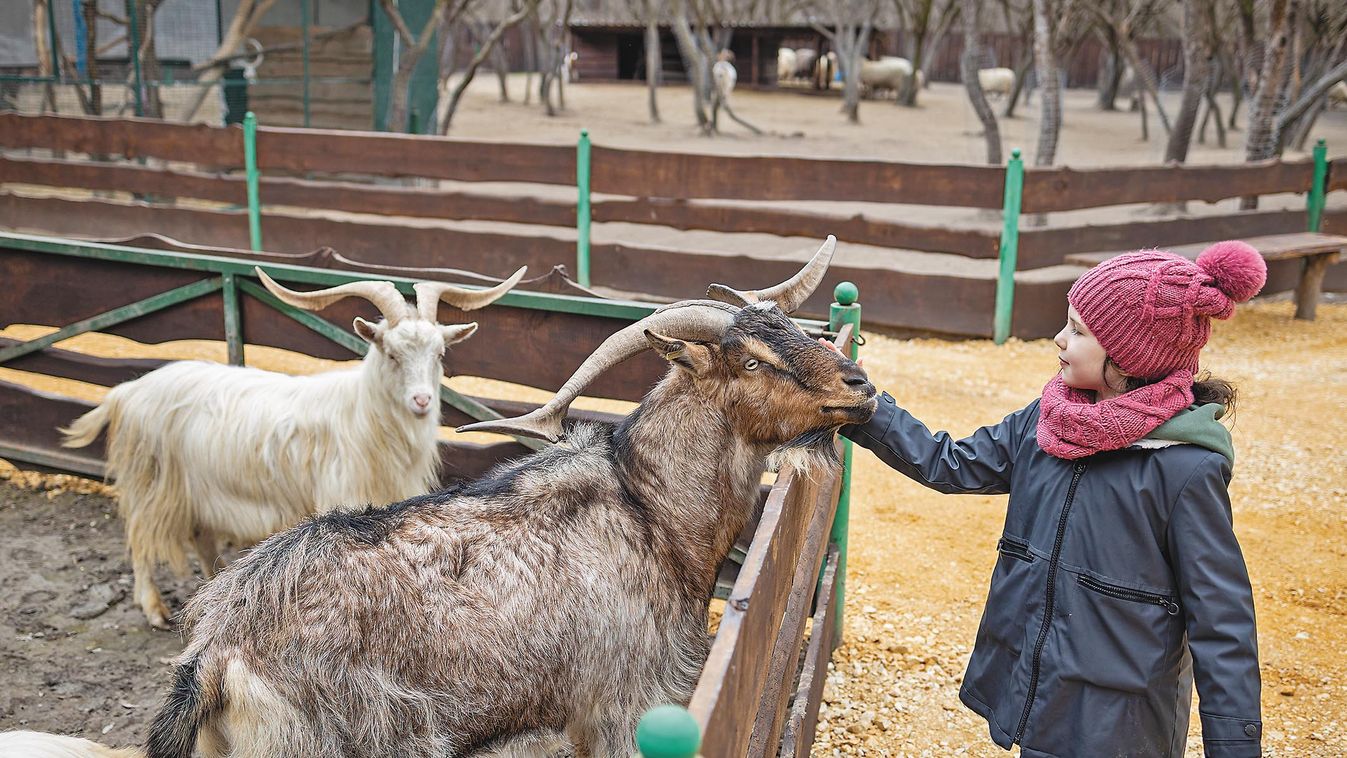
205, 453
804, 62
724, 76
786, 60
42, 745
888, 74
997, 81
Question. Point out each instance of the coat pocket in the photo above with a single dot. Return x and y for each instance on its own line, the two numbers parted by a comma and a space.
1017, 585
1117, 637
1013, 548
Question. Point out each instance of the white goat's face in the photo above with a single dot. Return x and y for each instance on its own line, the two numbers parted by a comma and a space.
412, 354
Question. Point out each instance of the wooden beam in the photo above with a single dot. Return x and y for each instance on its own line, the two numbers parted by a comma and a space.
1063, 189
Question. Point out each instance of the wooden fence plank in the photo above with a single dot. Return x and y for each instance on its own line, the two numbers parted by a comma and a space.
1064, 189
128, 137
544, 347
798, 738
442, 204
1337, 175
779, 687
1053, 244
642, 173
737, 667
944, 303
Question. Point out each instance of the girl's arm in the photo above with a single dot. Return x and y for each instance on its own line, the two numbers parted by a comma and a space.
1214, 589
980, 463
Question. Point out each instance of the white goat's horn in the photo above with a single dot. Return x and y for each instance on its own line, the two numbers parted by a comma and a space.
383, 295
429, 294
789, 294
703, 320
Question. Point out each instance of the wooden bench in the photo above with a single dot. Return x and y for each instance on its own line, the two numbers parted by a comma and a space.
1317, 250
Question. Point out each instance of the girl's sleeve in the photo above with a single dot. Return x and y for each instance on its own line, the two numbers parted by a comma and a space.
1214, 590
978, 464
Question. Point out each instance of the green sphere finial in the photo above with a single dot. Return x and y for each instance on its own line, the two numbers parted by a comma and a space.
1321, 142
845, 293
584, 132
668, 731
1015, 153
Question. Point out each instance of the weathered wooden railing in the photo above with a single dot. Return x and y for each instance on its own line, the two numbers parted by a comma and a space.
755, 695
329, 171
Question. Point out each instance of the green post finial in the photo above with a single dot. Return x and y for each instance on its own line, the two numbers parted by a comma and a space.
845, 293
668, 731
1015, 153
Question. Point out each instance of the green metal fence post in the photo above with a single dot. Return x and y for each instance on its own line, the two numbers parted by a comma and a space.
304, 14
668, 731
51, 41
844, 311
133, 33
582, 215
1314, 203
233, 332
1010, 245
250, 165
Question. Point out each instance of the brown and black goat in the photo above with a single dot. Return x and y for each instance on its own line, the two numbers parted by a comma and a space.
543, 608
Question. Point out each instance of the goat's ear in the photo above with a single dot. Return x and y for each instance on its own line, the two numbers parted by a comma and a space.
689, 356
368, 332
456, 333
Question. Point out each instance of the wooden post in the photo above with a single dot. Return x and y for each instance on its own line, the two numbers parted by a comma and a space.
845, 310
233, 330
1311, 284
1010, 243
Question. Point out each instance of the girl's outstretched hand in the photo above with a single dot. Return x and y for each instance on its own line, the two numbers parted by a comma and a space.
824, 341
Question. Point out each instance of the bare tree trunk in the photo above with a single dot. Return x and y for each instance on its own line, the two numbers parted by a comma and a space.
90, 10
1196, 74
1051, 118
1110, 68
696, 65
1260, 140
409, 55
481, 55
153, 106
1312, 100
1021, 74
500, 61
654, 62
968, 68
1249, 56
1146, 79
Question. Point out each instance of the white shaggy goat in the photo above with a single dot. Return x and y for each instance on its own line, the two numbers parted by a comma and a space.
997, 81
786, 60
205, 453
553, 600
42, 745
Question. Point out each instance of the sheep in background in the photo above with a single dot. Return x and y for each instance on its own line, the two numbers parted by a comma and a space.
42, 745
804, 62
888, 74
997, 81
786, 60
205, 453
559, 596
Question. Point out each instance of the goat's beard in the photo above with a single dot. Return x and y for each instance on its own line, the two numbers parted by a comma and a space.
812, 455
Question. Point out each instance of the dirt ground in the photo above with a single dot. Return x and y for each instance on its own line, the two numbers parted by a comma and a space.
76, 656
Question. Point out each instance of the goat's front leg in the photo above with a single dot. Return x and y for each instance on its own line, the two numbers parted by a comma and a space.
535, 743
207, 551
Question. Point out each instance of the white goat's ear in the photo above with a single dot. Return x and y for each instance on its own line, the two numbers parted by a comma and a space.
456, 333
689, 356
371, 333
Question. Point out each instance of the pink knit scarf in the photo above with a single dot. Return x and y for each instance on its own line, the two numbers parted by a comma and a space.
1071, 425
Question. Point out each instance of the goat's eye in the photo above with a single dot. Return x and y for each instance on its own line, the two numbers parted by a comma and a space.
751, 364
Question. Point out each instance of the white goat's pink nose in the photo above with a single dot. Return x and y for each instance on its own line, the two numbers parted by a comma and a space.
421, 401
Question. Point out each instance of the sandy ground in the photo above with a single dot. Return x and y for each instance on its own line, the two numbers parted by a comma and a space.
920, 561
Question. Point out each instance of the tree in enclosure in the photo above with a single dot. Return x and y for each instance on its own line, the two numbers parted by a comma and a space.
1126, 21
247, 16
927, 21
1260, 139
1323, 54
702, 32
648, 11
850, 25
550, 21
451, 97
968, 69
1197, 55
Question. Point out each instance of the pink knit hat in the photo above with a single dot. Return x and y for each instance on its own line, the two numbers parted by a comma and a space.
1151, 311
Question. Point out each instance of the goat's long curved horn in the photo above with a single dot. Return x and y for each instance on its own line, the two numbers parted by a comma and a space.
689, 320
429, 294
789, 294
383, 295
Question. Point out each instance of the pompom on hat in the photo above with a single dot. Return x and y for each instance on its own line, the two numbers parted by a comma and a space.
1151, 311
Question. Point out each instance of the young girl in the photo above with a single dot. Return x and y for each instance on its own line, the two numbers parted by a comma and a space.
1119, 579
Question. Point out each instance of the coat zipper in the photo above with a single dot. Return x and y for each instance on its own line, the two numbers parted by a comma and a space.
1123, 593
1049, 602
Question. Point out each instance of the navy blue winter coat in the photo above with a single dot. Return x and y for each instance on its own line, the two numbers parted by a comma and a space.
1118, 582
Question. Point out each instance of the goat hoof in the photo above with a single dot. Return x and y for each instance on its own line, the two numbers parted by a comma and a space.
159, 618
